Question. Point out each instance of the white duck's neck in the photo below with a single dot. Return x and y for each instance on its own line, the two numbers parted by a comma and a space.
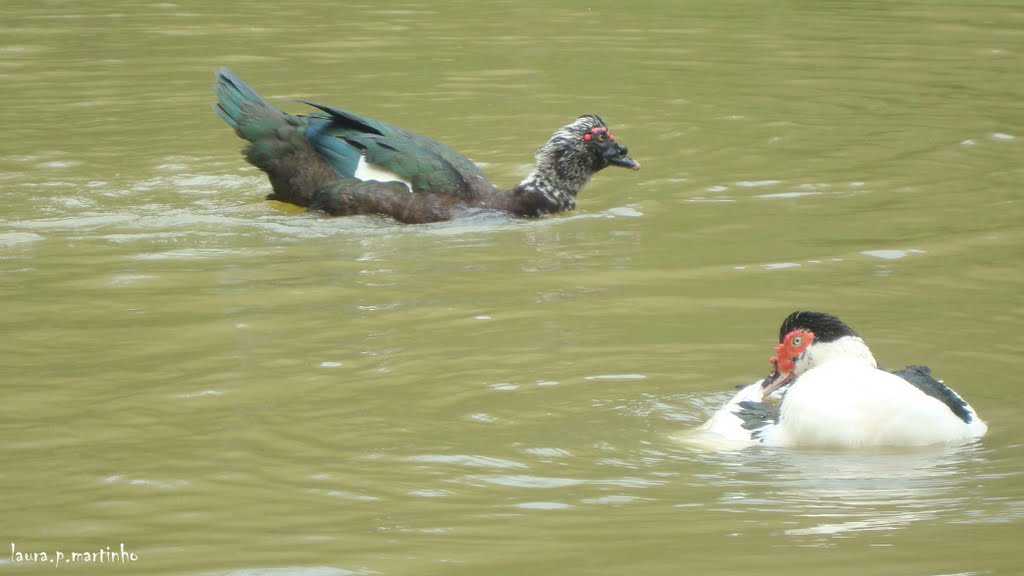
847, 348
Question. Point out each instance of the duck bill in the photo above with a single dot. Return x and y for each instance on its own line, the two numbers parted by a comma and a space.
624, 162
774, 381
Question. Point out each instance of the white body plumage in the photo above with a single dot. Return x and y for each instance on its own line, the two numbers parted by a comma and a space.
832, 393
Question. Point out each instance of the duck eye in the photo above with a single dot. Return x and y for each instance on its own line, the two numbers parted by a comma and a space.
600, 137
796, 340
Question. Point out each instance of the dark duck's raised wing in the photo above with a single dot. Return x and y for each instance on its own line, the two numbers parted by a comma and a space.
342, 163
344, 138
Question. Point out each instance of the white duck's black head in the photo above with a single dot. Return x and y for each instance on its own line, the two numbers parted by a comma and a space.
807, 339
824, 326
566, 162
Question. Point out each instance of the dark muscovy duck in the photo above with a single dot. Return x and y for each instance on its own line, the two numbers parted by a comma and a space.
826, 389
341, 163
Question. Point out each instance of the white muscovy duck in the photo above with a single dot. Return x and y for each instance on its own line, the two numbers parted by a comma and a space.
825, 389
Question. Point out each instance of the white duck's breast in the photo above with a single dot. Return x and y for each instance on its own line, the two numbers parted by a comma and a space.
845, 403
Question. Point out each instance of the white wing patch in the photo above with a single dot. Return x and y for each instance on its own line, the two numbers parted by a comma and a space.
366, 171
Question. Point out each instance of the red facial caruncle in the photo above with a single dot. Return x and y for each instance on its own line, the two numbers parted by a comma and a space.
792, 346
598, 132
784, 361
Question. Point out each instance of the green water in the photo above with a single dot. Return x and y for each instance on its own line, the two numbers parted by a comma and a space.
229, 386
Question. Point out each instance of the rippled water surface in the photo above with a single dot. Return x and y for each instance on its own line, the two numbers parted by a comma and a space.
229, 386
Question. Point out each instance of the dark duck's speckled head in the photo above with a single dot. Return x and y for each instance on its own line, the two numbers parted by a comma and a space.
571, 157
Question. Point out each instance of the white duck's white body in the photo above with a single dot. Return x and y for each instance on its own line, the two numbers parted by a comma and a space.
848, 404
840, 398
